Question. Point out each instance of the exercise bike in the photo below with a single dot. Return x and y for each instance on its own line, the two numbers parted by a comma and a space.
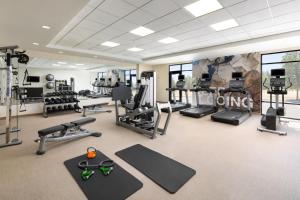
271, 120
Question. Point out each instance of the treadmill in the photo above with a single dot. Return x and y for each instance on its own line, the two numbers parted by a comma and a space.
202, 109
234, 115
178, 105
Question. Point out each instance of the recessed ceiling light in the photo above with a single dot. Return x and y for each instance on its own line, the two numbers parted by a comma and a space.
110, 44
57, 65
141, 31
168, 40
203, 7
46, 27
71, 66
60, 52
79, 64
63, 63
35, 43
135, 49
224, 25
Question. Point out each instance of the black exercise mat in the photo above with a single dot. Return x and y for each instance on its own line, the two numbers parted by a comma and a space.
167, 173
117, 185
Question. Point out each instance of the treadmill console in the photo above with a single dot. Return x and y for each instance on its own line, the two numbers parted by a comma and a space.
277, 82
237, 84
181, 82
205, 81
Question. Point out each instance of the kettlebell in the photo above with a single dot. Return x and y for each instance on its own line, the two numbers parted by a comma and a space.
91, 152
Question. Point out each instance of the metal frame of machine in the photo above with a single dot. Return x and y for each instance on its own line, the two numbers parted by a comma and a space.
201, 109
8, 53
144, 114
229, 115
271, 120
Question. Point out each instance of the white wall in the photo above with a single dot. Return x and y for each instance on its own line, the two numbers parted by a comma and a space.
83, 78
162, 79
141, 68
162, 82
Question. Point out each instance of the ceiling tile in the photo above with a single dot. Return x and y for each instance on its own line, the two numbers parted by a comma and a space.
183, 3
91, 25
258, 25
215, 17
139, 17
137, 3
117, 7
254, 17
286, 8
195, 33
101, 17
149, 39
123, 25
106, 34
287, 18
159, 8
80, 34
227, 3
178, 17
126, 38
247, 7
158, 25
276, 2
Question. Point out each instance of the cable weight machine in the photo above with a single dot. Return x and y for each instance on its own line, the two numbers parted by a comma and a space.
8, 53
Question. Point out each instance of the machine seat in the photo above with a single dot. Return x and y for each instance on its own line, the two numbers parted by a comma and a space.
68, 125
95, 105
83, 121
51, 130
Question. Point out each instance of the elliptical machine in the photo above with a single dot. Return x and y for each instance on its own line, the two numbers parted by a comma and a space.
271, 120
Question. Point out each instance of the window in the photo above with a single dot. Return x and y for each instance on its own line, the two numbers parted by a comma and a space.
130, 77
101, 75
185, 69
290, 61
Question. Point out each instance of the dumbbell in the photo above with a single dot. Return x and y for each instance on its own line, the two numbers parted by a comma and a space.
76, 100
47, 100
76, 107
54, 108
48, 109
70, 107
52, 100
59, 108
56, 100
65, 107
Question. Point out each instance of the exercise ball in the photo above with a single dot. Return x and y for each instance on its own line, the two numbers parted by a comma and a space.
50, 85
49, 77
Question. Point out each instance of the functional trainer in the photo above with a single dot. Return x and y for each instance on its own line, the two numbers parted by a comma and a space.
201, 110
175, 104
234, 115
9, 89
141, 118
271, 120
62, 132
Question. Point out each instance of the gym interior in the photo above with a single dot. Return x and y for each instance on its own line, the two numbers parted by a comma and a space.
150, 99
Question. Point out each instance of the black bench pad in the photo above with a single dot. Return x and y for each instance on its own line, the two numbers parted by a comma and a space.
84, 121
68, 125
50, 130
95, 105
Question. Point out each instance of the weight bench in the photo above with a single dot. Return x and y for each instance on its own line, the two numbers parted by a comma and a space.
62, 132
97, 108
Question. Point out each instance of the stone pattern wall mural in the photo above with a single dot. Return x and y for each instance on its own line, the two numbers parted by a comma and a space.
221, 68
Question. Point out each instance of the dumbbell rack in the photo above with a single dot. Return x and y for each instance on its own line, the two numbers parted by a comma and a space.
64, 106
